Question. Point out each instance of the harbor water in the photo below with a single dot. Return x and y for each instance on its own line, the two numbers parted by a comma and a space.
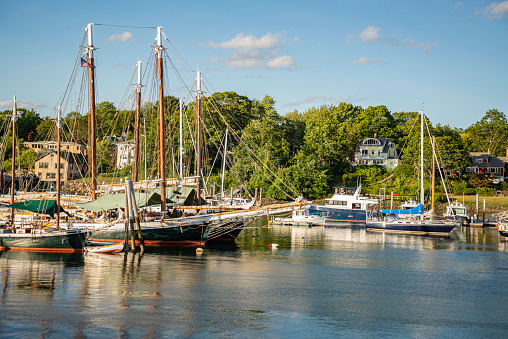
319, 282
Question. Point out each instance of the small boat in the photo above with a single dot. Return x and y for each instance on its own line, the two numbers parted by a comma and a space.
300, 217
346, 206
503, 229
104, 248
457, 211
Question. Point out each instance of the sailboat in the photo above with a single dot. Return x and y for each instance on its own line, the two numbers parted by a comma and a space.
183, 231
416, 222
39, 239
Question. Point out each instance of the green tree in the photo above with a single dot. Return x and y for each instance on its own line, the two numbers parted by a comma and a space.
488, 134
329, 137
45, 129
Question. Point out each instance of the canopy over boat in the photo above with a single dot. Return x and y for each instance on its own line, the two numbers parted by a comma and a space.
415, 210
178, 196
38, 206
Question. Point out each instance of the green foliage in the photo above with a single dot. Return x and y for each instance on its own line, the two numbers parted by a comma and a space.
490, 133
27, 159
486, 191
369, 176
45, 129
479, 180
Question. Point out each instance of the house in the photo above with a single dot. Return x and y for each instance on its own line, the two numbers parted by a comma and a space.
45, 146
124, 151
377, 151
483, 162
72, 165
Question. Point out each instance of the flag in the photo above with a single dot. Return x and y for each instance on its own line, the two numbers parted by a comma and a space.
85, 63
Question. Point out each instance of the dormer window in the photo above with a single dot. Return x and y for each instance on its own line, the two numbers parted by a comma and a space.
372, 142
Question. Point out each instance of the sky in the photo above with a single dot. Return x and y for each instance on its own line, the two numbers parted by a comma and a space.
448, 57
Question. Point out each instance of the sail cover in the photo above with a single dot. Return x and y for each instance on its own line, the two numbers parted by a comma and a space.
178, 196
415, 210
117, 200
38, 206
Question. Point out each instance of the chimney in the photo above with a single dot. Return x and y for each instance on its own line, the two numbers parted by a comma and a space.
488, 150
375, 136
507, 152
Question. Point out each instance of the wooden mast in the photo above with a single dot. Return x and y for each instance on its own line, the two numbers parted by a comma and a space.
13, 173
162, 138
136, 132
58, 125
93, 136
198, 137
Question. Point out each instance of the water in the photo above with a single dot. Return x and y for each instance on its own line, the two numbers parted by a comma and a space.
320, 282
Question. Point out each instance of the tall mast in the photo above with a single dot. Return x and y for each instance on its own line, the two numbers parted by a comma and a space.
422, 189
13, 175
180, 101
136, 131
224, 166
198, 136
93, 136
162, 138
58, 125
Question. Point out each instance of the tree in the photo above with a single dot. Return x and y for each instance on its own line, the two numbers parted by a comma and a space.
27, 123
45, 129
375, 121
329, 137
488, 134
450, 148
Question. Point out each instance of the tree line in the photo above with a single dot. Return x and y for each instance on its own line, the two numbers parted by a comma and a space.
297, 153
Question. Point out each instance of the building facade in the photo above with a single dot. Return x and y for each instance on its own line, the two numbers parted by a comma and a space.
377, 151
72, 166
484, 163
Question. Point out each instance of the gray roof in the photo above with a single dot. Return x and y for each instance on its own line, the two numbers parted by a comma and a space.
491, 161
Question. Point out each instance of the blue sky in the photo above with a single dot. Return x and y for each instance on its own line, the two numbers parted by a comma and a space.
452, 56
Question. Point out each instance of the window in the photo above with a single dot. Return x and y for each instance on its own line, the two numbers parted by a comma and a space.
50, 175
43, 165
343, 203
372, 141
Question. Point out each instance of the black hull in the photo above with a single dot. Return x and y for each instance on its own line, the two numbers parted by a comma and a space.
184, 236
412, 228
54, 241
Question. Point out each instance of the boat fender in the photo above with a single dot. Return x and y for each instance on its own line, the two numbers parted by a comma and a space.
199, 250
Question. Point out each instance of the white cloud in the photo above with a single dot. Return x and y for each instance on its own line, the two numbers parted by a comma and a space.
7, 105
458, 4
284, 61
251, 52
364, 60
119, 38
425, 46
371, 34
249, 42
495, 10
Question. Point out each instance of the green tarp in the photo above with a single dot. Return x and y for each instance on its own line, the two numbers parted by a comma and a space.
38, 206
179, 196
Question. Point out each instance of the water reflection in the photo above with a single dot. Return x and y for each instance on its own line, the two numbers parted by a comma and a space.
320, 280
